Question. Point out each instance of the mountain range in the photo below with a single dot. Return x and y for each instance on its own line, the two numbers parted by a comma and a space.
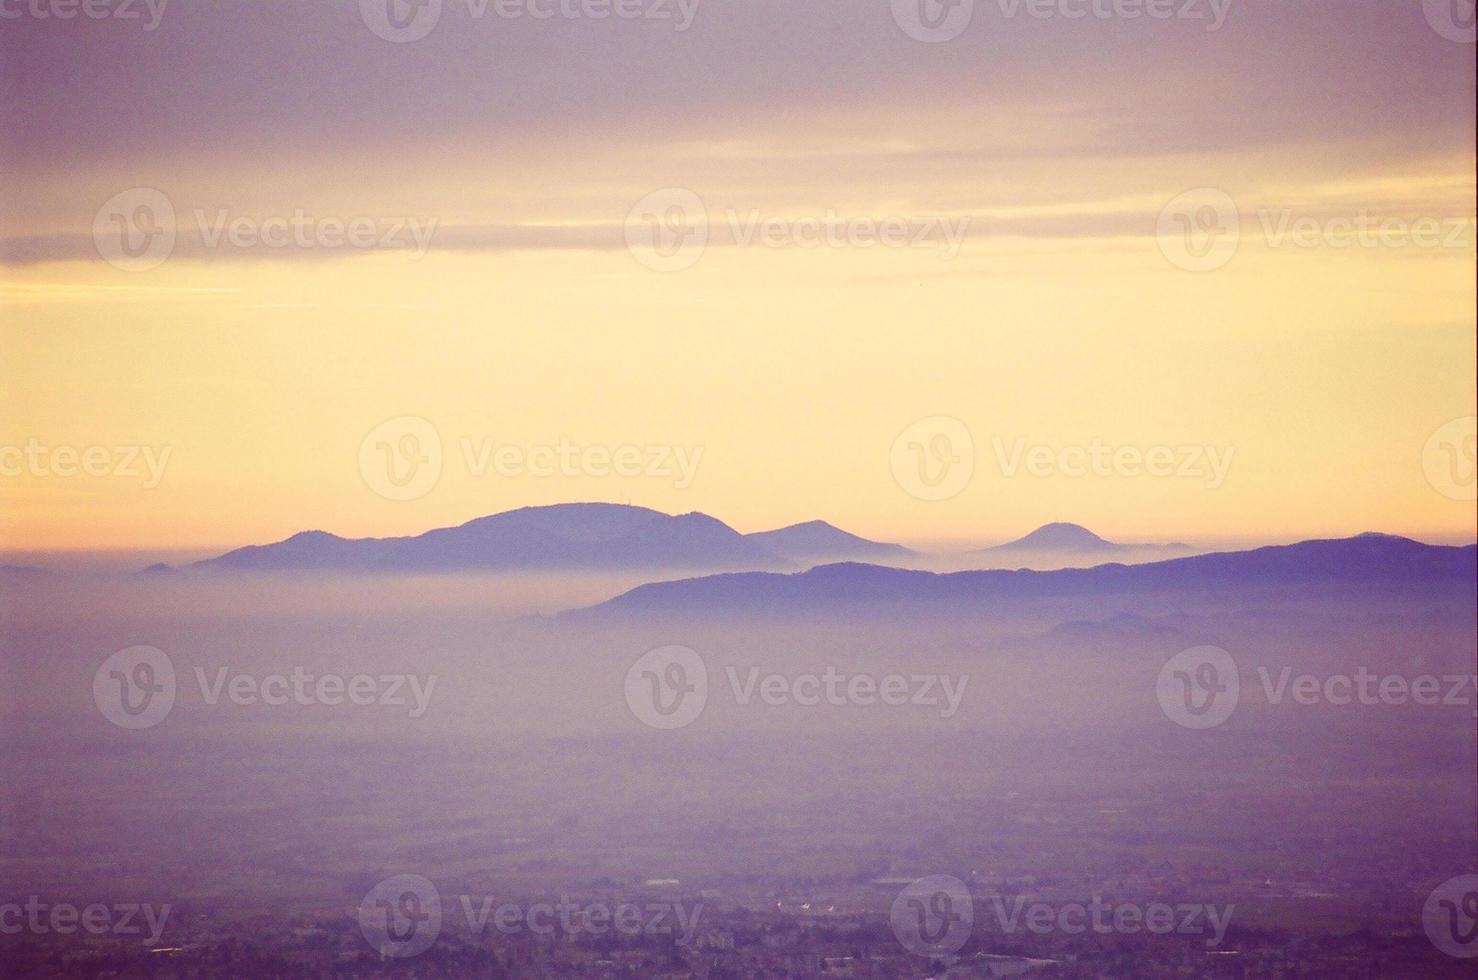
564, 537
1368, 559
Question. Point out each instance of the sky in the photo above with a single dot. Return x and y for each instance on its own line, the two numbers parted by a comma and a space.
1201, 275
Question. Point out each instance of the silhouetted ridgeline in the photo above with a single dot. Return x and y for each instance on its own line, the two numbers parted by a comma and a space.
562, 537
1060, 538
1370, 559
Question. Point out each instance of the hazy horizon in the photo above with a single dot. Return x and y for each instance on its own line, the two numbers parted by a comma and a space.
959, 544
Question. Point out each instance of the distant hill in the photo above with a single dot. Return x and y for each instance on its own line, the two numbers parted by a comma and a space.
1061, 538
563, 536
815, 542
1367, 559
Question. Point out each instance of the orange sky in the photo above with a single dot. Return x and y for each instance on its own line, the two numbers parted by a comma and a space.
1317, 366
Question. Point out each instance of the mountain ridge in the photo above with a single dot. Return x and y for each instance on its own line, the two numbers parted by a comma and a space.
821, 540
1061, 537
561, 536
1359, 560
